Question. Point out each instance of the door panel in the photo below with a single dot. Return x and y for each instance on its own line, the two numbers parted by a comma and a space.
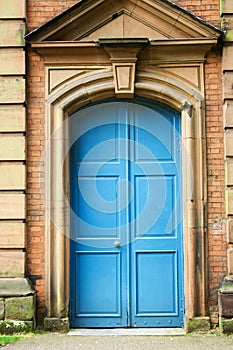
157, 206
126, 231
97, 286
156, 275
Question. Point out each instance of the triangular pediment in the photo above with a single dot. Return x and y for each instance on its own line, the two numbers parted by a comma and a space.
90, 20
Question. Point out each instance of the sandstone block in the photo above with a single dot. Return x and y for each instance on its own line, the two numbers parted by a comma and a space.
12, 8
227, 6
15, 59
229, 173
12, 90
12, 33
229, 202
10, 287
227, 85
12, 177
227, 114
12, 118
19, 308
12, 235
229, 143
12, 263
230, 263
12, 206
230, 231
12, 147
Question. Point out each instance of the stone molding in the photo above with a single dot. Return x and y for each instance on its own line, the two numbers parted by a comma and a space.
94, 86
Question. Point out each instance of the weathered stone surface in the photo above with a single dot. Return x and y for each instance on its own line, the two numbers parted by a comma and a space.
12, 147
12, 118
227, 113
226, 325
19, 308
229, 173
2, 310
12, 206
198, 324
12, 90
227, 61
12, 263
12, 9
12, 177
226, 6
230, 264
15, 59
225, 299
229, 202
230, 231
228, 85
56, 324
15, 287
11, 327
12, 33
229, 143
12, 235
226, 305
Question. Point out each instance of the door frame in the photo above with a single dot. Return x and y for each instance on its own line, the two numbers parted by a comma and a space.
99, 85
163, 110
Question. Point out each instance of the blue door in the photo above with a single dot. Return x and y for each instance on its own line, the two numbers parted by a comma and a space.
126, 216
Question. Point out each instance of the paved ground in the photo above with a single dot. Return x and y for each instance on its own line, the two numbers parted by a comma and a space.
66, 342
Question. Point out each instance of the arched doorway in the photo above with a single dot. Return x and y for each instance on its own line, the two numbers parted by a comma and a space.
126, 216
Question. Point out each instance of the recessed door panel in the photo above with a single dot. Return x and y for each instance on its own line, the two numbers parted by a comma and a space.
98, 284
156, 281
154, 205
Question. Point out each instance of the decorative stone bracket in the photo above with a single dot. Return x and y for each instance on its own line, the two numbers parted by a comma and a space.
123, 55
188, 108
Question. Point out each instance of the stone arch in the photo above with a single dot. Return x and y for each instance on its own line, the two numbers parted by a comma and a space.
98, 85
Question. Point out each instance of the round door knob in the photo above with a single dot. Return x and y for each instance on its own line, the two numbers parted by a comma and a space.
117, 244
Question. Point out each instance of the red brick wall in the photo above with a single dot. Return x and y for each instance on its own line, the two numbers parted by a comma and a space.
35, 267
208, 10
39, 12
216, 180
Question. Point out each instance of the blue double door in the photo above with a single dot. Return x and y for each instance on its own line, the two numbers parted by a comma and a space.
126, 216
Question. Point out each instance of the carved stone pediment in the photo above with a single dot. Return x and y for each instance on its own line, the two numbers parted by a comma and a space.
166, 32
90, 20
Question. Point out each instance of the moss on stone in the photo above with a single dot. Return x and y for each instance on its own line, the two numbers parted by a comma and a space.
19, 308
11, 327
226, 325
56, 324
198, 324
229, 35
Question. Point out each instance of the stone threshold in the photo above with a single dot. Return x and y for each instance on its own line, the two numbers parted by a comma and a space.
126, 331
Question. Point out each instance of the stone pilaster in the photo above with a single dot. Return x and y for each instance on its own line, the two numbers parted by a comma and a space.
226, 295
15, 305
227, 24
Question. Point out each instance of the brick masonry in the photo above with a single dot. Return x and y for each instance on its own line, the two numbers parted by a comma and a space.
39, 12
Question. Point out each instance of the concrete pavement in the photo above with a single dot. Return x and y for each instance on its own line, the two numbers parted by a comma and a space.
52, 341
